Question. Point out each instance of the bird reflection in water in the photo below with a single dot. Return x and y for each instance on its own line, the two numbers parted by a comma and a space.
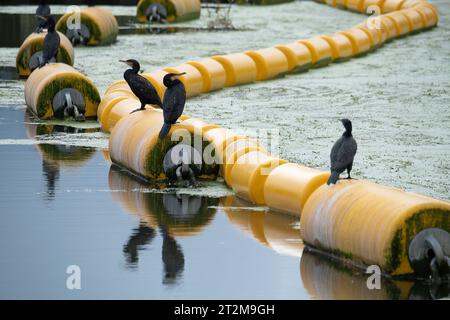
140, 237
172, 215
56, 156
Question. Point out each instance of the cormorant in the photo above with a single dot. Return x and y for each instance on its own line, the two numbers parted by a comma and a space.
173, 102
141, 87
342, 153
51, 42
43, 10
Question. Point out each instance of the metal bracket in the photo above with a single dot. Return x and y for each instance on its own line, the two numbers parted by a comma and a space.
182, 163
156, 12
429, 253
79, 35
69, 103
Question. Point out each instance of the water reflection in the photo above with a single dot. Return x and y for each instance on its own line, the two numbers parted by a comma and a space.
56, 156
174, 215
326, 278
140, 237
277, 231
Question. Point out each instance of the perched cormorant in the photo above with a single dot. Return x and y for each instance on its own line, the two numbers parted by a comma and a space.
173, 102
43, 10
342, 153
51, 42
141, 87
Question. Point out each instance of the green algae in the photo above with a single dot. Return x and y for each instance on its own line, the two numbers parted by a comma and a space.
154, 160
424, 219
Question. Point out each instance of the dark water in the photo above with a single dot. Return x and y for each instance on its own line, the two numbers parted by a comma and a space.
64, 205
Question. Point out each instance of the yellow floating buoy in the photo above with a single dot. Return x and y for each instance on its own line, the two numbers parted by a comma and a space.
177, 10
370, 223
233, 151
391, 5
249, 175
107, 103
220, 138
355, 5
403, 25
134, 143
213, 73
359, 39
289, 186
321, 53
91, 26
298, 56
239, 68
270, 62
27, 57
341, 47
46, 89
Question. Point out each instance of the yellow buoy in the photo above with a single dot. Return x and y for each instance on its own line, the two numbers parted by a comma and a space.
177, 10
32, 47
45, 85
96, 25
289, 186
370, 223
134, 144
249, 175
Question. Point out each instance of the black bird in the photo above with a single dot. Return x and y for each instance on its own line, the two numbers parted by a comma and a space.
43, 10
342, 153
173, 102
141, 87
51, 42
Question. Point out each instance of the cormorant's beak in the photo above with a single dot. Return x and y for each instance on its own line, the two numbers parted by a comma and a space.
43, 18
126, 62
178, 74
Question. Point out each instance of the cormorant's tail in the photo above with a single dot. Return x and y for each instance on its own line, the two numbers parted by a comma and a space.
333, 178
164, 130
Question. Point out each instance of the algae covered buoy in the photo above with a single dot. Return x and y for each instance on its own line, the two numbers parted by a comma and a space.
135, 145
174, 10
89, 26
57, 90
27, 58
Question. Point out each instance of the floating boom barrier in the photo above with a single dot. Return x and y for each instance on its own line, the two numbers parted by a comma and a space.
29, 55
397, 230
56, 90
91, 26
177, 10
